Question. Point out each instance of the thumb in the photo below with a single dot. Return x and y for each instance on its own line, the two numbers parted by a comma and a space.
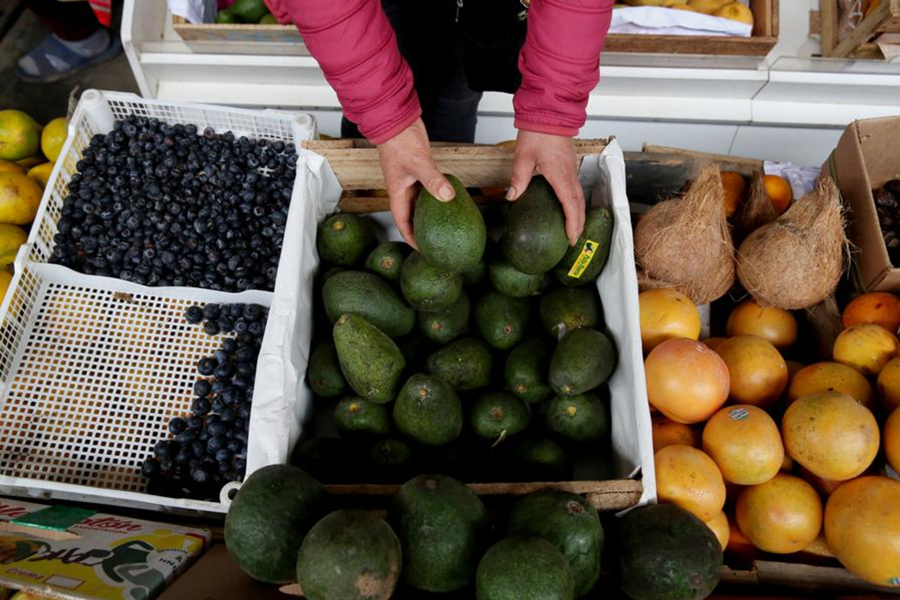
523, 171
435, 182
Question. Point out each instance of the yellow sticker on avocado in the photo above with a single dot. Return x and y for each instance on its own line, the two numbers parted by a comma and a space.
584, 259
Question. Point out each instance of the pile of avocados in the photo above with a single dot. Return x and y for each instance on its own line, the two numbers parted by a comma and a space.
480, 356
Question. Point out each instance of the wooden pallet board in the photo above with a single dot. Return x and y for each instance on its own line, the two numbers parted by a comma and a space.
237, 32
885, 18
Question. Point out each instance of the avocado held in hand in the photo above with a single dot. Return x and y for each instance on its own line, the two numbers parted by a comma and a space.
450, 235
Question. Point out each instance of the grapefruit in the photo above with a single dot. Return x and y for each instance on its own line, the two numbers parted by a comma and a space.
667, 314
745, 444
20, 136
668, 433
734, 183
41, 173
20, 197
757, 371
879, 308
781, 516
7, 166
11, 237
867, 348
831, 377
889, 386
53, 137
689, 478
775, 325
686, 381
892, 440
719, 526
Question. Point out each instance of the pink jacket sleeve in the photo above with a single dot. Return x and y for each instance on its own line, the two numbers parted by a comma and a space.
560, 63
355, 45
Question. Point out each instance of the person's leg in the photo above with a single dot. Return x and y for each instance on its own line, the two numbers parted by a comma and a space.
70, 21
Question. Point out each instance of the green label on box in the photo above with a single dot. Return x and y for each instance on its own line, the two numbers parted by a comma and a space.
55, 518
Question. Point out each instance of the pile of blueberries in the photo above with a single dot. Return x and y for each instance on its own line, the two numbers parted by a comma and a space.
164, 205
209, 448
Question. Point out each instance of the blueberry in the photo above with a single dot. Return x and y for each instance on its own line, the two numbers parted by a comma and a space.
200, 475
234, 445
150, 468
240, 326
215, 444
236, 310
247, 354
183, 456
221, 357
202, 387
165, 449
217, 428
223, 455
240, 464
200, 407
218, 404
224, 371
177, 425
166, 466
232, 395
227, 414
241, 382
246, 369
229, 345
195, 422
244, 410
206, 366
211, 311
225, 324
218, 387
211, 328
198, 448
256, 329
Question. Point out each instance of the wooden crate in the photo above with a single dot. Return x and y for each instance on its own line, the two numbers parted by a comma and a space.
764, 38
885, 18
238, 32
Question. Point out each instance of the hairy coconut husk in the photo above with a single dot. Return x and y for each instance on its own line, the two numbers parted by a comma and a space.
645, 282
687, 243
756, 211
797, 260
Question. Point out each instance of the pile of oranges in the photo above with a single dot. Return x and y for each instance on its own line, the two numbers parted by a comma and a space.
774, 455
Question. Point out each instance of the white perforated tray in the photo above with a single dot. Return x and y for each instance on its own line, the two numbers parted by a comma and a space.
92, 368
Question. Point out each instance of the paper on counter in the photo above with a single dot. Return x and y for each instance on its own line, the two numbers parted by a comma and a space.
194, 11
665, 21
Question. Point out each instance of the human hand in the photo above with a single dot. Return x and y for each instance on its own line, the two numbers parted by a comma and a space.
406, 161
552, 156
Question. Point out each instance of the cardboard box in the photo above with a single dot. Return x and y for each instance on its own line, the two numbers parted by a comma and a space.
217, 577
102, 557
866, 157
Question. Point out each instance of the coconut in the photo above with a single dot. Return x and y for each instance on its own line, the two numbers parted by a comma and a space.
797, 260
756, 211
686, 242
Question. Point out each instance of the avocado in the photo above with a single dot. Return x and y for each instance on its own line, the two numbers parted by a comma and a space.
540, 459
387, 259
535, 237
465, 364
324, 371
524, 566
249, 11
477, 275
426, 287
443, 527
266, 522
327, 459
565, 309
355, 417
583, 418
369, 296
450, 235
443, 326
496, 416
591, 251
666, 553
509, 281
393, 460
371, 361
526, 370
570, 523
268, 19
331, 272
502, 320
351, 555
344, 240
583, 359
428, 411
225, 17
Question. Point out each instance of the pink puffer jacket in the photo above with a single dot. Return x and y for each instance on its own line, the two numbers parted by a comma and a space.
354, 44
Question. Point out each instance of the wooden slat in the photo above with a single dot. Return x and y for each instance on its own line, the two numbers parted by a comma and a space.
885, 17
825, 579
828, 25
690, 44
235, 32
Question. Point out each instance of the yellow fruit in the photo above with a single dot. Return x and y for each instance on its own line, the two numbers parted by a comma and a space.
506, 144
5, 279
689, 478
889, 386
686, 7
736, 12
708, 6
667, 314
867, 348
719, 526
714, 342
778, 189
825, 487
880, 308
734, 184
686, 381
53, 137
758, 373
775, 325
41, 173
831, 434
20, 136
745, 444
10, 167
20, 197
11, 237
819, 547
862, 527
669, 433
655, 2
32, 161
831, 377
891, 439
781, 516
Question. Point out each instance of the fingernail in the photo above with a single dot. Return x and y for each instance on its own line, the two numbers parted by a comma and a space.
510, 193
446, 193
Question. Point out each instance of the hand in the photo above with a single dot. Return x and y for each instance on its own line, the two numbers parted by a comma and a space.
406, 161
552, 156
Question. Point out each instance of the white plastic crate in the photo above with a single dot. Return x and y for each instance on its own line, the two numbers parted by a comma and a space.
92, 368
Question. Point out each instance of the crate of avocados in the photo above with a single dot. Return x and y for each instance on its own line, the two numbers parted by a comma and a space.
761, 41
242, 21
512, 366
159, 278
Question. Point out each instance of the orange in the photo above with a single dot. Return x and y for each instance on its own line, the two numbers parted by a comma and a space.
667, 314
719, 526
819, 548
735, 186
866, 347
758, 373
825, 487
781, 516
686, 381
689, 478
738, 544
831, 434
775, 325
667, 433
862, 527
889, 386
831, 377
745, 444
10, 167
714, 342
892, 440
779, 192
880, 308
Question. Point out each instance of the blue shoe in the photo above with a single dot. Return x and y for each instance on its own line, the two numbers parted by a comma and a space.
54, 60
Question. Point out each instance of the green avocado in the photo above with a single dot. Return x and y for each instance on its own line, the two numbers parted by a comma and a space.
496, 416
344, 240
351, 555
509, 281
535, 237
428, 411
387, 259
355, 417
477, 275
591, 251
392, 459
526, 370
570, 523
443, 326
324, 371
369, 296
225, 17
443, 527
539, 459
565, 309
266, 522
501, 320
450, 235
371, 361
426, 287
268, 19
582, 419
524, 566
583, 359
465, 364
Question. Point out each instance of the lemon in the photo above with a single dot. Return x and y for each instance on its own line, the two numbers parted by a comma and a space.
53, 137
41, 173
736, 12
31, 161
20, 197
11, 237
10, 167
20, 136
